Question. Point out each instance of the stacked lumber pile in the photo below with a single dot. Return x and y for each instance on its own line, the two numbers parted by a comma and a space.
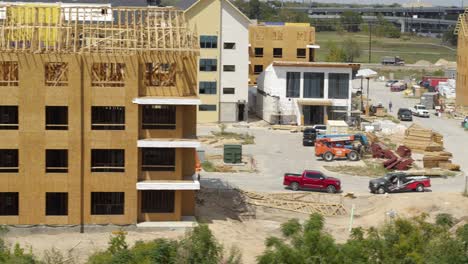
420, 139
430, 143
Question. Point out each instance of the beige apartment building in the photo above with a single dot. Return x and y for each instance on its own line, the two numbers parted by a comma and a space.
277, 41
98, 115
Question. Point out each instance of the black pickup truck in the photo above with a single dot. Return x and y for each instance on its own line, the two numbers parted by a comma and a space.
308, 137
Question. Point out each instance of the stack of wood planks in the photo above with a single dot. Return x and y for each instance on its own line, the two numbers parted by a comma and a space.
420, 139
429, 143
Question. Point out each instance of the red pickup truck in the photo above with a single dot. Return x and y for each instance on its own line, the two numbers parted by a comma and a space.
311, 179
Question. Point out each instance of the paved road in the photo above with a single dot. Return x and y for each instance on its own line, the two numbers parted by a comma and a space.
277, 152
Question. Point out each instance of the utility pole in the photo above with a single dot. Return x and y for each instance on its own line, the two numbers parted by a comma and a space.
370, 41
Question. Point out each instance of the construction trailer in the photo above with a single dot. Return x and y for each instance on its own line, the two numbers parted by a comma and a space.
98, 111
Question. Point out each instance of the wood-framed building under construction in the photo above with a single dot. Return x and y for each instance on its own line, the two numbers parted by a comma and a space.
97, 115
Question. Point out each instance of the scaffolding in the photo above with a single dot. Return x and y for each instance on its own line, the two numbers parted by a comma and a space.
81, 29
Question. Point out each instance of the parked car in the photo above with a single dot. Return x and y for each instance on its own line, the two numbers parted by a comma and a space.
404, 114
321, 129
390, 82
308, 137
399, 182
398, 87
313, 180
464, 122
419, 110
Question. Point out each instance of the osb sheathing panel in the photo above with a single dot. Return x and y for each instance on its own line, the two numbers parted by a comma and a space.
175, 216
289, 38
117, 139
462, 68
32, 139
188, 203
186, 78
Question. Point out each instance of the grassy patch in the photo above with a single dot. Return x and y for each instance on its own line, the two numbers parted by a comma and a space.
208, 166
392, 118
245, 138
410, 48
371, 169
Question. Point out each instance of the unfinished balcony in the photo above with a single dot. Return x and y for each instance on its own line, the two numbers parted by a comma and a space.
168, 126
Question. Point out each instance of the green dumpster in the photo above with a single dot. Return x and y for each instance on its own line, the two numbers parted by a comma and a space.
233, 153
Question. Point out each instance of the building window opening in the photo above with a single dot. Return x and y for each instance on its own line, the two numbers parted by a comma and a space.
9, 117
56, 203
8, 160
107, 75
160, 74
56, 160
158, 159
9, 73
56, 117
108, 160
56, 74
107, 203
159, 117
107, 118
9, 203
277, 52
157, 201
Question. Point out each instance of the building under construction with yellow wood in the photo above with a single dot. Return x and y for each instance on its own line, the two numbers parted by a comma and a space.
97, 115
462, 61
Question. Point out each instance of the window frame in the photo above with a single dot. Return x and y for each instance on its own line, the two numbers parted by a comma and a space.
229, 45
335, 92
212, 84
299, 56
233, 89
62, 205
12, 210
157, 201
153, 119
112, 164
207, 65
207, 108
208, 41
308, 92
166, 162
50, 113
229, 68
11, 122
291, 91
258, 52
6, 165
116, 208
275, 51
50, 168
100, 113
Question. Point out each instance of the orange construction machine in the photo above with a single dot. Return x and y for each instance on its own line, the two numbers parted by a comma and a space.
351, 147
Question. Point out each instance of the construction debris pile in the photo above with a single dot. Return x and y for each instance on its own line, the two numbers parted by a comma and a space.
399, 159
429, 143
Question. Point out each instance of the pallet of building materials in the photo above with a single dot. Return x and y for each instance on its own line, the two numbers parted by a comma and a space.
449, 166
418, 139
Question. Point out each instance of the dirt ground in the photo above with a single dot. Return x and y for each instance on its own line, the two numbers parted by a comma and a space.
246, 227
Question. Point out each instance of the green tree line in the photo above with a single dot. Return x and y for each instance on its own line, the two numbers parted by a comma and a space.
398, 241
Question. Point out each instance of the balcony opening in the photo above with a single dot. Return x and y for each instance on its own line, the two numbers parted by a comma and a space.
9, 73
108, 75
157, 201
159, 117
108, 118
160, 74
8, 160
56, 74
56, 203
9, 117
158, 159
56, 160
56, 117
9, 203
108, 160
107, 203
